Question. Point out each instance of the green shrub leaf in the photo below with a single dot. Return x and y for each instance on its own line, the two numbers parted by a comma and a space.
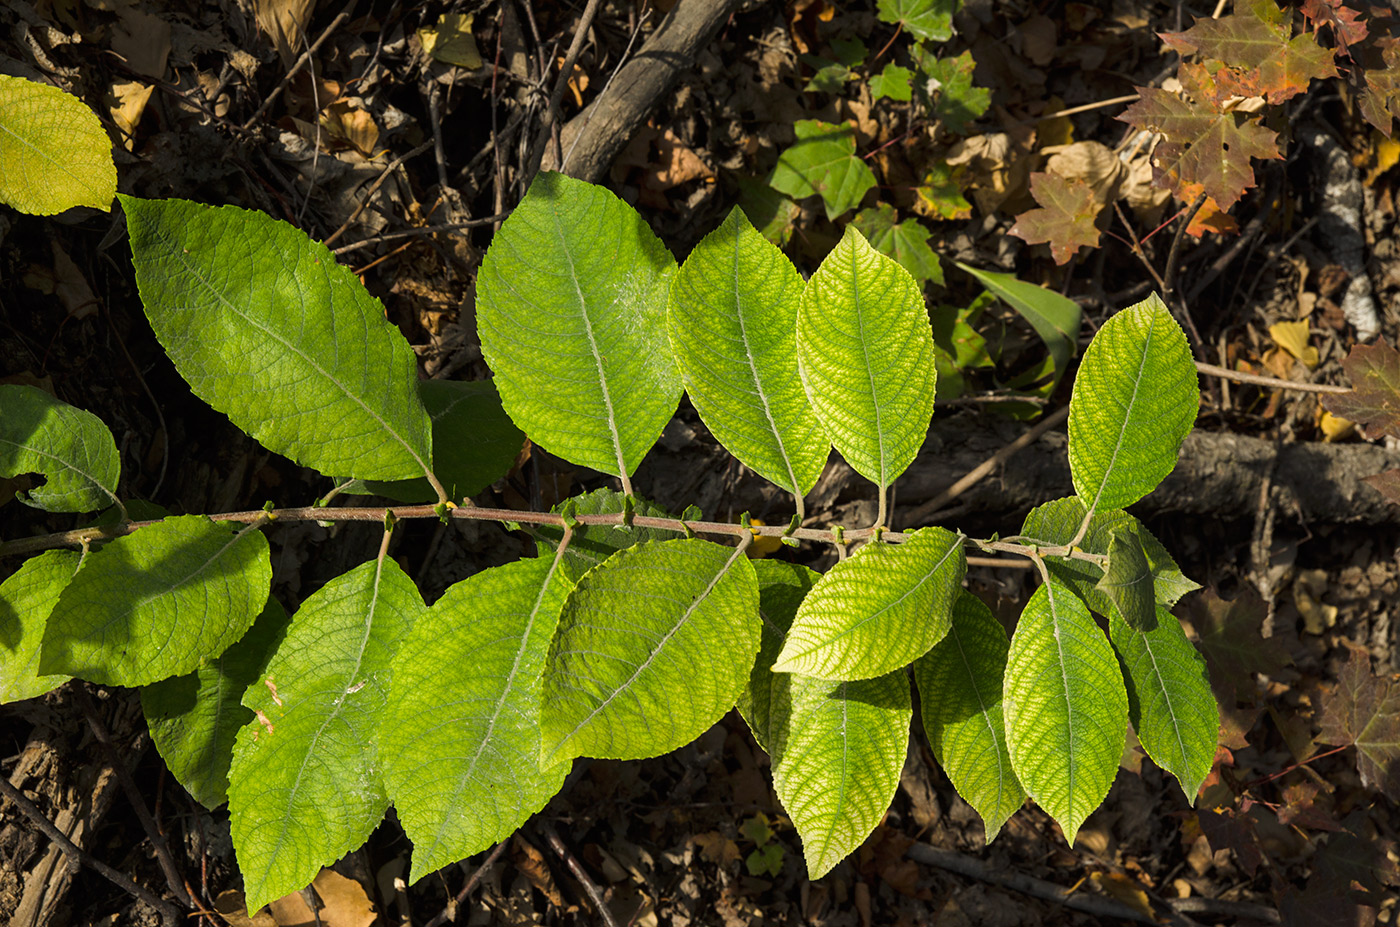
1066, 707
27, 598
823, 161
71, 448
460, 736
925, 19
906, 242
1057, 523
306, 785
158, 602
571, 310
960, 692
781, 589
592, 544
1055, 318
652, 648
878, 610
1127, 582
1135, 400
837, 747
1169, 698
194, 718
733, 325
865, 348
474, 443
54, 151
268, 329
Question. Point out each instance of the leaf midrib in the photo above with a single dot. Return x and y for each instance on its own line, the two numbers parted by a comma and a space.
1132, 402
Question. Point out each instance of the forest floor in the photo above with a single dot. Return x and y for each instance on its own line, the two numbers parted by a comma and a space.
406, 160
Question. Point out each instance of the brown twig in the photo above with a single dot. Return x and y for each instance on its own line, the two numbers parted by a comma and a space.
374, 188
561, 84
1173, 259
987, 466
422, 230
173, 880
449, 913
168, 912
1254, 378
595, 895
306, 56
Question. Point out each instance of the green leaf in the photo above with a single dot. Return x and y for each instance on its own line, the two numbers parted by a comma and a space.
1055, 318
306, 785
460, 735
652, 648
1057, 523
838, 749
925, 19
27, 598
268, 329
158, 602
474, 443
73, 450
1066, 707
781, 589
770, 212
194, 718
733, 326
54, 151
906, 242
1169, 698
893, 82
823, 161
1127, 582
830, 76
960, 691
878, 610
957, 103
592, 544
571, 310
1135, 400
865, 349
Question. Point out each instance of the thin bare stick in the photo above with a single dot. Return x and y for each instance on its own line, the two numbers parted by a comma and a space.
561, 84
306, 56
168, 912
374, 188
979, 472
590, 887
1076, 110
422, 230
1254, 378
449, 913
173, 880
1174, 256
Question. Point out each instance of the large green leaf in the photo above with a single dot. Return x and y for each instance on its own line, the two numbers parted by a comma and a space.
925, 19
1169, 698
837, 747
960, 692
1127, 581
823, 161
652, 648
865, 348
1135, 400
1066, 707
54, 154
474, 443
460, 736
733, 325
906, 242
26, 599
1055, 318
1058, 521
72, 449
571, 311
878, 610
158, 602
592, 544
781, 588
306, 784
268, 329
194, 718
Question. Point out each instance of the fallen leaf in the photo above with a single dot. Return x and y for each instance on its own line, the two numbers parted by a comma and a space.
1387, 484
284, 22
450, 41
1374, 400
143, 40
1364, 712
1293, 338
1065, 218
233, 909
1093, 163
127, 104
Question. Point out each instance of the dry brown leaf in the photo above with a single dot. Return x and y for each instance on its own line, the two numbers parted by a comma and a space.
998, 167
1125, 890
291, 910
351, 125
284, 22
232, 907
717, 848
451, 41
344, 901
1038, 39
1091, 162
1293, 338
127, 104
1144, 196
1334, 427
532, 865
143, 40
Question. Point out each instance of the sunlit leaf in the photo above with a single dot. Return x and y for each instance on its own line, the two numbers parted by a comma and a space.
1055, 318
1065, 218
72, 449
823, 161
925, 19
54, 153
906, 242
592, 544
27, 597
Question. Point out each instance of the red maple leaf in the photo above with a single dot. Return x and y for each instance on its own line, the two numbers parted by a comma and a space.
1364, 712
1374, 400
1065, 218
1346, 24
1259, 43
1202, 143
1376, 81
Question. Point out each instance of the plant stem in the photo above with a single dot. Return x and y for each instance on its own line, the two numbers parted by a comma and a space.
1254, 378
